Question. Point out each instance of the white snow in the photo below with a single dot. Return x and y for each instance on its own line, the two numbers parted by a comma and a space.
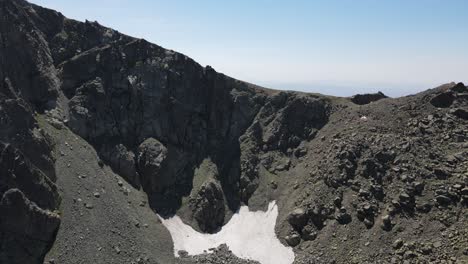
249, 235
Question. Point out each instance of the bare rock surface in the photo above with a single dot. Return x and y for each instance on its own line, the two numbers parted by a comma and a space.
104, 218
120, 129
362, 99
221, 254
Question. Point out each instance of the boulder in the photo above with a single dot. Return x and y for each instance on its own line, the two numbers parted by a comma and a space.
461, 113
208, 207
151, 156
459, 88
293, 240
443, 100
387, 222
298, 218
343, 218
363, 99
309, 233
443, 200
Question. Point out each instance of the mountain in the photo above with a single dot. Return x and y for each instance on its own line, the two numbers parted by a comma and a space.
101, 133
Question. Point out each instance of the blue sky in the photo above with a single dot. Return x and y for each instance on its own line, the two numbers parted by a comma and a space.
338, 47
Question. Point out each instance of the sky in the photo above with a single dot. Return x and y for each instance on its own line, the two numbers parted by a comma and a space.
336, 47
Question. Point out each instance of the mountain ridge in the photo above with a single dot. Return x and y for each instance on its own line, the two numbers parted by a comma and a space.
201, 144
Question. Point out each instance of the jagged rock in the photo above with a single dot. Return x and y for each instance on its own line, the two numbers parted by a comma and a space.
293, 240
309, 233
387, 223
208, 207
441, 173
443, 100
406, 200
464, 191
300, 152
55, 123
424, 208
122, 161
337, 201
369, 222
151, 155
363, 99
283, 165
291, 119
418, 187
366, 213
120, 94
461, 113
318, 214
27, 189
343, 217
221, 254
443, 200
298, 218
26, 231
398, 243
459, 88
23, 175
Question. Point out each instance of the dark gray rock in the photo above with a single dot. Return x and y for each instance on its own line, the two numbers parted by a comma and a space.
443, 200
221, 254
156, 114
443, 100
461, 113
309, 233
122, 161
208, 207
387, 222
298, 218
26, 231
459, 88
293, 240
150, 160
28, 84
343, 218
363, 99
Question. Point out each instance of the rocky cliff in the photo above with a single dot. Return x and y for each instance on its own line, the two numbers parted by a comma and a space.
351, 175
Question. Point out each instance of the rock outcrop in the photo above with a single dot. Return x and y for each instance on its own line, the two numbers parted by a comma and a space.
151, 156
28, 83
28, 231
209, 207
362, 99
349, 175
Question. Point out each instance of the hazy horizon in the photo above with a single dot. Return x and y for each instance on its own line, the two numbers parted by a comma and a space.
331, 47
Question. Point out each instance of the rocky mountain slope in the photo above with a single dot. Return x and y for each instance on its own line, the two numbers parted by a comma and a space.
100, 131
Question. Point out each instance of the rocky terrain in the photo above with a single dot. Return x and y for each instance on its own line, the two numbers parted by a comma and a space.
101, 131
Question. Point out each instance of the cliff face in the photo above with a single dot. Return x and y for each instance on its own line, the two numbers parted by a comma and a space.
200, 143
29, 197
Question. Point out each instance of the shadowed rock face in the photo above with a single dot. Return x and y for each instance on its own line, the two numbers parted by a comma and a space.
119, 93
193, 111
208, 207
28, 230
124, 91
151, 157
200, 143
443, 100
28, 83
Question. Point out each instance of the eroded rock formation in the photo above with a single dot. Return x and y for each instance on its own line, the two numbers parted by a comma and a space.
349, 175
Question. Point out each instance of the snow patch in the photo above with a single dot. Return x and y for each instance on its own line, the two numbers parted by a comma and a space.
249, 235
